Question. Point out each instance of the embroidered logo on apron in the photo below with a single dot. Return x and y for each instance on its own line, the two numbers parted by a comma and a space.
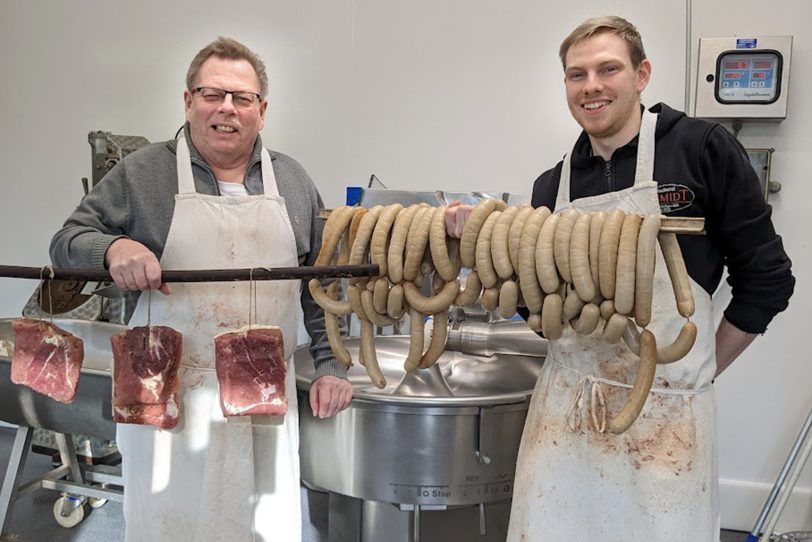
674, 197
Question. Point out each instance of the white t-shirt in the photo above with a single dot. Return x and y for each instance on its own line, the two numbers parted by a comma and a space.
232, 189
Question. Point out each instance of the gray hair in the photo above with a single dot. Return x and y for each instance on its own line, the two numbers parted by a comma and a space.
228, 49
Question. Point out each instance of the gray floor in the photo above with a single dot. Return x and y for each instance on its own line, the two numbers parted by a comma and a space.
32, 519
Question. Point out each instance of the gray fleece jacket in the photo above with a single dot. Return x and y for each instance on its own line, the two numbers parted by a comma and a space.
136, 200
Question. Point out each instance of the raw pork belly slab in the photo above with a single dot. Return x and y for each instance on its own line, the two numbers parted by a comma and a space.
47, 359
251, 371
145, 376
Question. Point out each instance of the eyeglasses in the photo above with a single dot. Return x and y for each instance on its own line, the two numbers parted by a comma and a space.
240, 98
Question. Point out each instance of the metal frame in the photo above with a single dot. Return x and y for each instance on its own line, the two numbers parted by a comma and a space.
784, 484
71, 477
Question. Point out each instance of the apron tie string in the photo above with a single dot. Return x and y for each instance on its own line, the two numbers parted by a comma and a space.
596, 405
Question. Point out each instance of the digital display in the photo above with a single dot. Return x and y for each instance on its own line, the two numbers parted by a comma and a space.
749, 77
737, 65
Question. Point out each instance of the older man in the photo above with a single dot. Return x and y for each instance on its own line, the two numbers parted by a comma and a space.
213, 198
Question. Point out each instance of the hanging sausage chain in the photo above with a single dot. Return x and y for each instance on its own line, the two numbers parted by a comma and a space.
591, 271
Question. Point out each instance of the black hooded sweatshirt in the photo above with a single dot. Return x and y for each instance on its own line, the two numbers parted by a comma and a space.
702, 171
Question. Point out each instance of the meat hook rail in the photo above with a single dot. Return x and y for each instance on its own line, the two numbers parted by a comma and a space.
199, 275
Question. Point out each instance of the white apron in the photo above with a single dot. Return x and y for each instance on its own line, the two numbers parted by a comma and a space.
656, 482
210, 478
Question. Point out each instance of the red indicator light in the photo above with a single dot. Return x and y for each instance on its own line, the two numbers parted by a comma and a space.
737, 65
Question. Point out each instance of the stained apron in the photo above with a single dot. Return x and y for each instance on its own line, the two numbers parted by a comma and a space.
656, 482
214, 478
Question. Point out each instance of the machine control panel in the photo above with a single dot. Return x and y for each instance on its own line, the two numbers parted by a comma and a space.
749, 77
743, 78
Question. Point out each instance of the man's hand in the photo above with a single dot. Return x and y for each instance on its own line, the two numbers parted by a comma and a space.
134, 267
455, 216
329, 395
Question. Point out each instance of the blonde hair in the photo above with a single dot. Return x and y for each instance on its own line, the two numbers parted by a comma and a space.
228, 49
600, 25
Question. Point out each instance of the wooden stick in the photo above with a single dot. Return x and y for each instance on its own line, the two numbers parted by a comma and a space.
678, 225
198, 275
683, 225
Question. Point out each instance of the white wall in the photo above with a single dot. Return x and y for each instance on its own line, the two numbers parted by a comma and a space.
454, 94
765, 396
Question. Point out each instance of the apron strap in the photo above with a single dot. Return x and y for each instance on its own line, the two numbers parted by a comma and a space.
268, 177
562, 200
644, 168
186, 181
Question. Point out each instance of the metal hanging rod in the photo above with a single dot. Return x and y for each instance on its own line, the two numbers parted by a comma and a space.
198, 275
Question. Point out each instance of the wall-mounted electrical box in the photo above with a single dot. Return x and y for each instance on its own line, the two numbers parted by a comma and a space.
743, 78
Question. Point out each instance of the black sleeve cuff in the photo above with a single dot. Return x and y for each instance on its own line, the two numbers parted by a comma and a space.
748, 318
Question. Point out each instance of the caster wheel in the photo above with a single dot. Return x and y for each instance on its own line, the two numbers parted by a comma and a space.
96, 502
76, 515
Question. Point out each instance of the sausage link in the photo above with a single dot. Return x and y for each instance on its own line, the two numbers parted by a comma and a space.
333, 329
370, 356
416, 242
438, 246
397, 243
482, 253
473, 287
344, 252
587, 321
641, 387
607, 255
335, 306
360, 246
416, 340
380, 235
595, 228
528, 281
680, 281
561, 243
546, 271
614, 328
439, 336
681, 345
500, 249
551, 317
434, 304
644, 276
607, 309
470, 231
359, 213
372, 315
394, 303
490, 298
508, 298
579, 259
354, 297
333, 229
380, 295
515, 235
627, 264
572, 306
